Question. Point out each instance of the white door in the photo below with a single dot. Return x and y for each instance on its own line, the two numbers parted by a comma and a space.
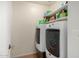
5, 32
73, 29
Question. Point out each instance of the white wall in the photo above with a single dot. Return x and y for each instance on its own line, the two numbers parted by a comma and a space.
5, 14
24, 17
73, 30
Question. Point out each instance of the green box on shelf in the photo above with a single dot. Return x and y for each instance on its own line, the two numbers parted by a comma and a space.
42, 21
62, 13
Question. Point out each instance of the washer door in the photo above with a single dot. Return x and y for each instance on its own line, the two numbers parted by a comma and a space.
52, 41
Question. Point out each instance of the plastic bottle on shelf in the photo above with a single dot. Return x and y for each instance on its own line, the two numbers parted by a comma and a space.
63, 13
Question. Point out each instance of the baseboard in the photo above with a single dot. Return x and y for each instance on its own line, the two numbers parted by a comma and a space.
29, 55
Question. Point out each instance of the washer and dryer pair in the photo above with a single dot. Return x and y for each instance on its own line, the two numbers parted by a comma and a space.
53, 39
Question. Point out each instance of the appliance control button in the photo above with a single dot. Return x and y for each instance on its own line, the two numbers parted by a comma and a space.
49, 25
52, 24
49, 54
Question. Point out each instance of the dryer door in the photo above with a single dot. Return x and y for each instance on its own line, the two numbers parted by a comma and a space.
38, 35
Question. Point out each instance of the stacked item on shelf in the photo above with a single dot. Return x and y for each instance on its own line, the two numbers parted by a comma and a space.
52, 19
58, 15
42, 21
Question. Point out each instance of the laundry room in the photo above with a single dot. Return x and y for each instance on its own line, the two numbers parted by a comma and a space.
39, 29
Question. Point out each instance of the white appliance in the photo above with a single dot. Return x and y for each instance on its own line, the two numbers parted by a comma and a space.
56, 40
40, 37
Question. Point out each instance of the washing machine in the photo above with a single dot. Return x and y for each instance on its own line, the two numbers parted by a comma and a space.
40, 40
56, 40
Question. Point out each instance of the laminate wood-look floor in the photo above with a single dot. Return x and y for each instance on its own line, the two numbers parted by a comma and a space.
30, 56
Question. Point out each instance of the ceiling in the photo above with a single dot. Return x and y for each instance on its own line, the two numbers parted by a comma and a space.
44, 2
